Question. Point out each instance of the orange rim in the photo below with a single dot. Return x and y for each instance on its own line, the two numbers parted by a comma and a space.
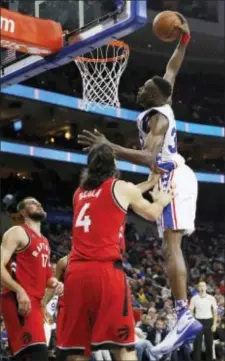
115, 43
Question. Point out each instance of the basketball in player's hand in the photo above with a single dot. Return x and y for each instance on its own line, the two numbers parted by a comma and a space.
166, 26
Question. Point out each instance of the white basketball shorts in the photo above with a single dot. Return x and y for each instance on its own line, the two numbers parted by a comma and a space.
180, 213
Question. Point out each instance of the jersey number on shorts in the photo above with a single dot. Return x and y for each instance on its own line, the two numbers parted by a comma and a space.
82, 219
173, 148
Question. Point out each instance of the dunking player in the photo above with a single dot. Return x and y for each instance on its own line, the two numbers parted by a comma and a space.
60, 273
97, 308
25, 274
158, 137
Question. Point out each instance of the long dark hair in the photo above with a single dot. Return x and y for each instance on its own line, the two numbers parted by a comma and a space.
101, 166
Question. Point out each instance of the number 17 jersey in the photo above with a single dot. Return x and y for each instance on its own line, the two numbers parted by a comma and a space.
97, 224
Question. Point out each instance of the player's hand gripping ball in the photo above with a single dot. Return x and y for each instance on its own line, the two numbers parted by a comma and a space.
167, 25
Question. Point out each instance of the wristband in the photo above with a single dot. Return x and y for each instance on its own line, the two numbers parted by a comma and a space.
185, 39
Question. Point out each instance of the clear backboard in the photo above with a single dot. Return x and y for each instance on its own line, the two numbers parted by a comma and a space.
85, 25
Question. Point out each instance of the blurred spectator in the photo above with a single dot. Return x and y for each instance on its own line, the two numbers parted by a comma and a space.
158, 332
142, 297
219, 297
145, 324
152, 313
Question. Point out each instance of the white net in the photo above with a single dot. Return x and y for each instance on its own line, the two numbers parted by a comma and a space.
101, 71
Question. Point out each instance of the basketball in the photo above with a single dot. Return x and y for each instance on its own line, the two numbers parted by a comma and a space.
165, 26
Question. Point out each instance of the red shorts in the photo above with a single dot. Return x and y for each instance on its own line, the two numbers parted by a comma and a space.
22, 331
97, 308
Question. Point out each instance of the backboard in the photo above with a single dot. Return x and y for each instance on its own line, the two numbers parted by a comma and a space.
86, 25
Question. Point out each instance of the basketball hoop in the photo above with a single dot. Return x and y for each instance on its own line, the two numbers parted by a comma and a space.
101, 71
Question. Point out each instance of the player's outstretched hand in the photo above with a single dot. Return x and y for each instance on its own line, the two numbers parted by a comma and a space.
24, 304
88, 139
163, 196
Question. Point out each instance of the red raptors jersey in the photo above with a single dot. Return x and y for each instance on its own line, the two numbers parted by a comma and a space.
31, 267
97, 224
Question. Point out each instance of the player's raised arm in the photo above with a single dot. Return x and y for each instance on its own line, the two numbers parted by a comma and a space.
130, 195
177, 58
146, 156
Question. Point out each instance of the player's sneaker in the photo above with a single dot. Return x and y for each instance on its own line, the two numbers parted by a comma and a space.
184, 331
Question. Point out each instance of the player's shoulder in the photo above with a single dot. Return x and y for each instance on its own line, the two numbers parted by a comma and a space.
15, 230
126, 186
15, 234
130, 191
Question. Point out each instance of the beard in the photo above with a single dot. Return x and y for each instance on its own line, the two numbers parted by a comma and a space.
38, 216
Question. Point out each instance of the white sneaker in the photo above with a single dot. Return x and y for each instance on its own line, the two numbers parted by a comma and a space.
185, 330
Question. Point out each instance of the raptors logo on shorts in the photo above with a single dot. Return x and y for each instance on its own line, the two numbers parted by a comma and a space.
26, 338
124, 332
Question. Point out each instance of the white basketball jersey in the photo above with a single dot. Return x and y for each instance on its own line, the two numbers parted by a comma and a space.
180, 213
169, 147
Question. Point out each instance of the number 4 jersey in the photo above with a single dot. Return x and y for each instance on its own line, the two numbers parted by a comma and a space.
97, 225
30, 266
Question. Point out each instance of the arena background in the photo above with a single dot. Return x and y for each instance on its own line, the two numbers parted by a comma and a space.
40, 156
